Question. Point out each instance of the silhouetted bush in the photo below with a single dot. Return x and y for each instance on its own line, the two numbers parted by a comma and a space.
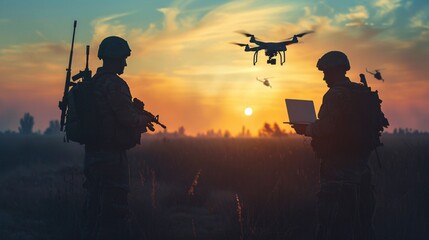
26, 124
54, 128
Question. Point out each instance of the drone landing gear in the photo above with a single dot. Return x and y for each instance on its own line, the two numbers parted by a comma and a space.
271, 57
255, 57
282, 57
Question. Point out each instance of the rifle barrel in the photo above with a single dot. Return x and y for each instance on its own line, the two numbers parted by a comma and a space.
63, 103
160, 124
87, 57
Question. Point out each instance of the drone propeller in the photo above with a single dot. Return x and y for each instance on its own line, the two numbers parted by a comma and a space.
376, 70
300, 34
246, 34
265, 78
239, 44
304, 33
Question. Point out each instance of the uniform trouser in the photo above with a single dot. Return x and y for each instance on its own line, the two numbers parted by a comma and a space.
106, 207
345, 212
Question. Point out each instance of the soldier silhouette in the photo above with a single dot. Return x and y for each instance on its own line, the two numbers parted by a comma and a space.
106, 166
346, 200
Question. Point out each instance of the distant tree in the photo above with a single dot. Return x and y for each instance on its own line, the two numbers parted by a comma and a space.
54, 128
408, 131
181, 131
278, 132
27, 123
244, 132
266, 130
272, 131
10, 132
226, 134
211, 133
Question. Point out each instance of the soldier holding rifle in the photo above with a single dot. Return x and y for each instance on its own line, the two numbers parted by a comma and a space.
99, 112
106, 164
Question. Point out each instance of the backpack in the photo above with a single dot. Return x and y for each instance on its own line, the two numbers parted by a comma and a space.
366, 117
360, 128
81, 117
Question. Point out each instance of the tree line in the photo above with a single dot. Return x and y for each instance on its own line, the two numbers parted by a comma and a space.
26, 124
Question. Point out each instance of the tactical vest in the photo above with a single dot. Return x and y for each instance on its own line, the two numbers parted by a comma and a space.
84, 122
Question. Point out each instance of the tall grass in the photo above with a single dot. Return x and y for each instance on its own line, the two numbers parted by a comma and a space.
274, 181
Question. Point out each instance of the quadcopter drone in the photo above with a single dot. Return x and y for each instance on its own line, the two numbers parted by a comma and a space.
376, 74
271, 48
265, 82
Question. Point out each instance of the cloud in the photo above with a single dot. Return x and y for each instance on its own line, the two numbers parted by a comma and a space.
104, 27
357, 16
170, 15
41, 35
24, 61
199, 67
33, 77
408, 4
386, 6
420, 21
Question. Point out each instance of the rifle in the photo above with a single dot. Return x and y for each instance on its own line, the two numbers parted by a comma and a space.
363, 79
139, 105
85, 74
63, 104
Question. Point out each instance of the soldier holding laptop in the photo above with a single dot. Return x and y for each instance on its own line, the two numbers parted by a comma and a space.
346, 200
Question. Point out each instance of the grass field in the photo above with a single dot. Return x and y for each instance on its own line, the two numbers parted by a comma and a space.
213, 188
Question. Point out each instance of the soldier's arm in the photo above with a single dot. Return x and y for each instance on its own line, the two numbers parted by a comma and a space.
119, 97
329, 115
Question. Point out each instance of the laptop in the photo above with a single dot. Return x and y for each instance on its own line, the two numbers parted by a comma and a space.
300, 111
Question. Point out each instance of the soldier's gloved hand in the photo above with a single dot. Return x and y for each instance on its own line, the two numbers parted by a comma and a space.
150, 126
299, 128
144, 121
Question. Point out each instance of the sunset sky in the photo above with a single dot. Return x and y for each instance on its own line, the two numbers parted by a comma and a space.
184, 68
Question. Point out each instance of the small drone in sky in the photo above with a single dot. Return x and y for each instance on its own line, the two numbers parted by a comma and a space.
265, 82
271, 48
376, 74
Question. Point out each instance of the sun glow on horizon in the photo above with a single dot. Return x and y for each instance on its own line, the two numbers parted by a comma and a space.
248, 111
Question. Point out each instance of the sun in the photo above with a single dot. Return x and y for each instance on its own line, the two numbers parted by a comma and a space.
248, 111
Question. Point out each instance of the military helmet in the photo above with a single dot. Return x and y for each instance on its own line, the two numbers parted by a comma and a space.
333, 59
113, 47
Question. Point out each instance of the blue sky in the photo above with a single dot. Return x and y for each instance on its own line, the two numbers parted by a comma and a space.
26, 21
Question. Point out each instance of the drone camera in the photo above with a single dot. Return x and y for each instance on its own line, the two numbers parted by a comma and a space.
271, 61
